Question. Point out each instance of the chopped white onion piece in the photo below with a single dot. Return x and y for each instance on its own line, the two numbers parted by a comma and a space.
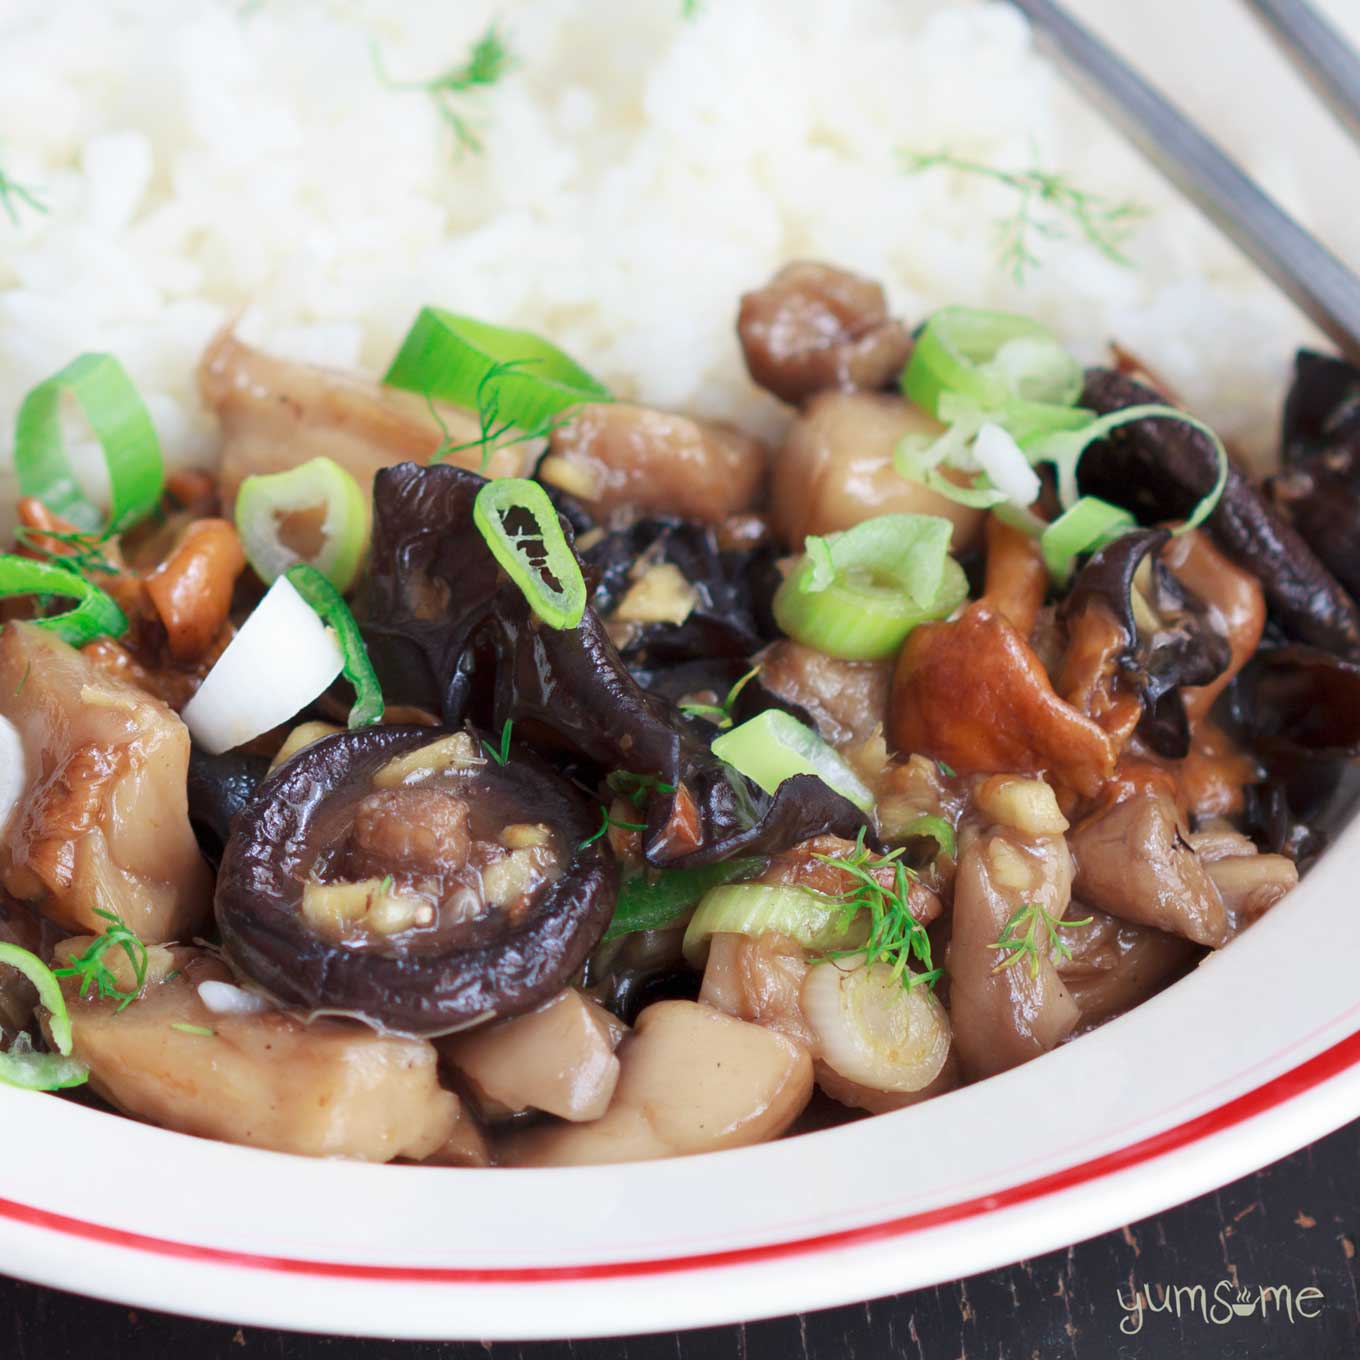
13, 769
1002, 459
872, 1029
224, 998
282, 658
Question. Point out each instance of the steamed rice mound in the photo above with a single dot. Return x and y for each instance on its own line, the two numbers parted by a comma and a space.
639, 171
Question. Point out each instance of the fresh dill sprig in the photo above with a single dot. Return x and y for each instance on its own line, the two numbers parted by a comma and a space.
1048, 205
486, 62
501, 755
84, 553
606, 821
895, 935
636, 787
13, 194
92, 971
493, 428
1020, 937
722, 713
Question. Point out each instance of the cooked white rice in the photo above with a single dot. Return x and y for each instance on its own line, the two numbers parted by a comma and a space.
640, 170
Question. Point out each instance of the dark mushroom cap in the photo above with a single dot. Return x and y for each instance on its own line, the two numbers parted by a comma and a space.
490, 966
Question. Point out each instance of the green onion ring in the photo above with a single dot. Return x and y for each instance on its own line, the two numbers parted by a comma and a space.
97, 615
319, 483
1064, 451
121, 423
536, 555
21, 1066
858, 594
447, 357
990, 359
1089, 524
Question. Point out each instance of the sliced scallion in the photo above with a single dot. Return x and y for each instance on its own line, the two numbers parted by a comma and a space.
22, 1065
96, 614
856, 595
448, 357
655, 901
121, 423
329, 605
1089, 524
774, 746
1064, 451
521, 528
282, 657
265, 501
989, 359
934, 826
815, 920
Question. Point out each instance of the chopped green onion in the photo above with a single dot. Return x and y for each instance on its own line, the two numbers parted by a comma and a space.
658, 900
990, 359
265, 500
121, 423
201, 1030
329, 606
939, 830
21, 1066
774, 746
448, 357
525, 536
856, 595
95, 616
1064, 451
1089, 524
815, 920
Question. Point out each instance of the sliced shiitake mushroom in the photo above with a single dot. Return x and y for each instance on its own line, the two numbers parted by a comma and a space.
398, 875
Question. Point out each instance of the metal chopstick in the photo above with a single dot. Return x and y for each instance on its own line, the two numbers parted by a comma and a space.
1318, 283
1327, 61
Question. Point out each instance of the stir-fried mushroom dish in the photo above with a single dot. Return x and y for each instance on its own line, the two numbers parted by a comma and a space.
479, 770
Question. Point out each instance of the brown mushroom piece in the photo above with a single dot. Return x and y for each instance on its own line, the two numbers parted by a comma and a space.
1006, 1009
1134, 860
276, 413
973, 693
846, 699
814, 326
265, 1078
102, 822
1249, 882
617, 457
692, 1080
558, 1058
1115, 966
836, 469
398, 875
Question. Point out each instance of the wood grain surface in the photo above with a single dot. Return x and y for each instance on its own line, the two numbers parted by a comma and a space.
1296, 1224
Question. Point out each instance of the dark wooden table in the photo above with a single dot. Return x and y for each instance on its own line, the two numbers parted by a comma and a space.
1295, 1225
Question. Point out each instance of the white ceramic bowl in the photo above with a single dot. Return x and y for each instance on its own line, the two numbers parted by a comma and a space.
1254, 1055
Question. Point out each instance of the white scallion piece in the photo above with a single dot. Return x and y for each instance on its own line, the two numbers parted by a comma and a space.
872, 1029
1002, 459
224, 998
13, 769
282, 658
